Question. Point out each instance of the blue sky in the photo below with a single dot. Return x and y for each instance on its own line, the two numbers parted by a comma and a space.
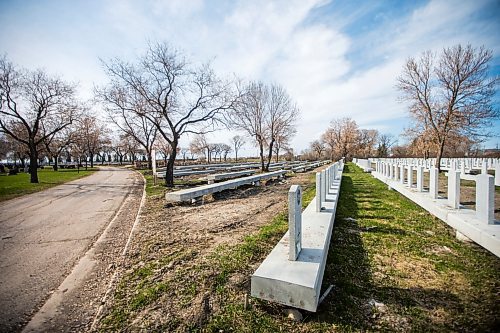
336, 58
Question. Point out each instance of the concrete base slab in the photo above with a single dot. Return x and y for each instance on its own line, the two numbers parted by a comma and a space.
298, 283
461, 237
462, 220
189, 194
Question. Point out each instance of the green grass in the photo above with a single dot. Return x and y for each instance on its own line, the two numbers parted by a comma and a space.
387, 249
17, 185
384, 248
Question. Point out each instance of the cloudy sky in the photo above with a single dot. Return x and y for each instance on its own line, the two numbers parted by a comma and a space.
335, 58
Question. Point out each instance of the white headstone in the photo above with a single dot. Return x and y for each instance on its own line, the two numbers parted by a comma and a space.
324, 188
497, 174
484, 167
295, 221
420, 178
318, 191
485, 198
410, 176
454, 188
433, 182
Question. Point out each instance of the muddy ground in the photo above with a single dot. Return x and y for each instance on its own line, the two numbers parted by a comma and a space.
173, 241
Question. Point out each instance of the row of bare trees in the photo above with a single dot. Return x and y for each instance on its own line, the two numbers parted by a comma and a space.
163, 96
153, 101
34, 108
201, 147
268, 115
344, 138
450, 98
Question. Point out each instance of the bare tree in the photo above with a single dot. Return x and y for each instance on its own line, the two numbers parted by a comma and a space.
91, 137
226, 149
176, 97
281, 122
385, 142
451, 96
238, 142
4, 147
367, 140
58, 142
283, 141
318, 147
341, 137
184, 152
164, 148
133, 124
250, 115
119, 148
200, 146
265, 113
32, 100
216, 149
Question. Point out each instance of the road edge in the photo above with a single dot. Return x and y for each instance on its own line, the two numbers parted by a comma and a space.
112, 282
79, 271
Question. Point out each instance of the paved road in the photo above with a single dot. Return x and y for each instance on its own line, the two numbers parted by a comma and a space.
43, 235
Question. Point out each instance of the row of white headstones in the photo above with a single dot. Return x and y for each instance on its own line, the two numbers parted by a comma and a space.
402, 170
324, 180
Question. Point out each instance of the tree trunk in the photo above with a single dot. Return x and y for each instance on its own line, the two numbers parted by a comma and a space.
236, 153
261, 148
169, 174
33, 165
56, 166
150, 159
277, 155
269, 155
439, 156
91, 160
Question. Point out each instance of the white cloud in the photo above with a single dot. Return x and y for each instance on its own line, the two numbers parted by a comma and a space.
268, 40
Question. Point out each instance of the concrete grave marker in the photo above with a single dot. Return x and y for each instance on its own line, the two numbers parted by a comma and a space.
295, 221
153, 160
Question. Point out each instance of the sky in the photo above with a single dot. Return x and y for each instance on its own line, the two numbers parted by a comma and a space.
335, 58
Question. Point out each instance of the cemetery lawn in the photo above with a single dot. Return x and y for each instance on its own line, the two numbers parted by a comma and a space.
393, 266
18, 185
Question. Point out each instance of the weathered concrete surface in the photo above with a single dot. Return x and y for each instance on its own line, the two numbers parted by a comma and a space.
45, 234
463, 220
298, 283
199, 191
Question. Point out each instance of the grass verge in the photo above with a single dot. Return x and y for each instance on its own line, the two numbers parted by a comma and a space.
18, 185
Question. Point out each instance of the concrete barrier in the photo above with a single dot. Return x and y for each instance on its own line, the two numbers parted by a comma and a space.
188, 195
478, 225
292, 273
229, 175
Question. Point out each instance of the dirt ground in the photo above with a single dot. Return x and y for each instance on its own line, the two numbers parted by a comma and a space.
178, 238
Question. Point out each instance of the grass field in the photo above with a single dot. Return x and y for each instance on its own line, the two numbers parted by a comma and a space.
393, 267
17, 185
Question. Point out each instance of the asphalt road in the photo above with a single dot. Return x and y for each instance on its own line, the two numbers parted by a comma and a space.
43, 235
